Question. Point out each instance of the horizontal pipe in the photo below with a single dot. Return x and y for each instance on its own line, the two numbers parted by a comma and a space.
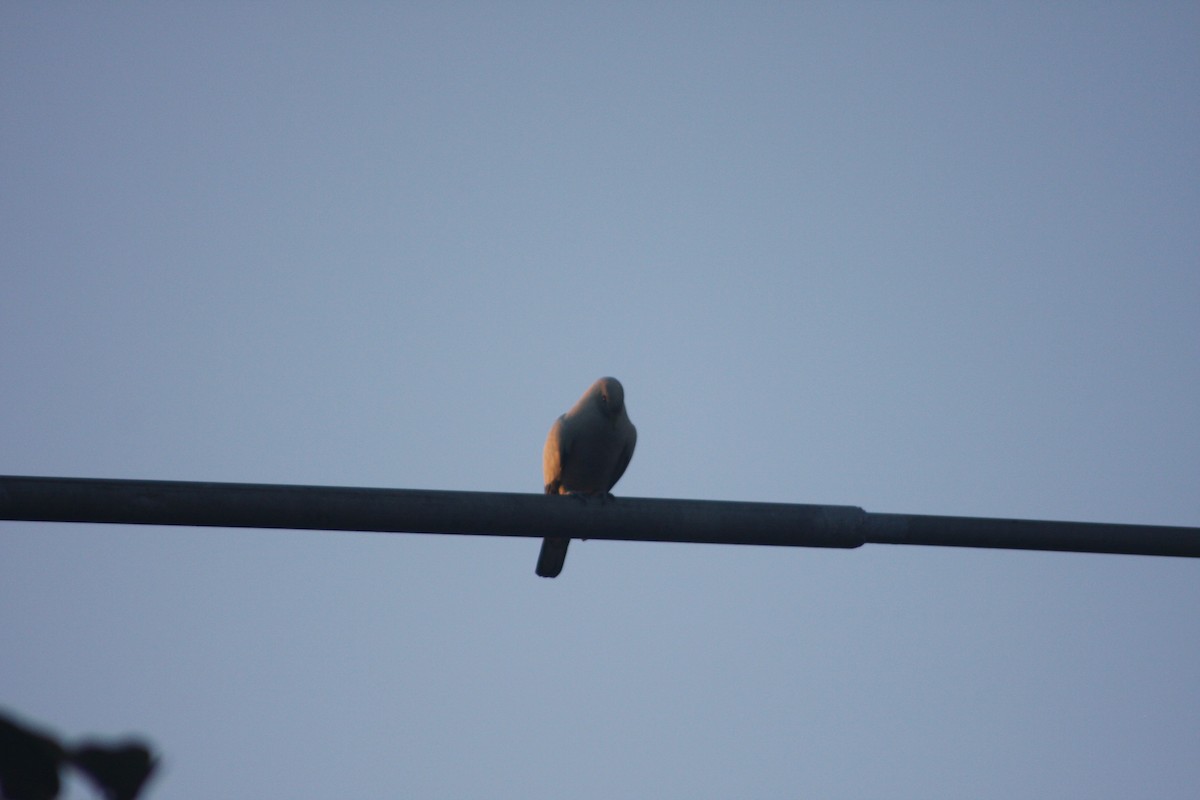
1028, 534
246, 505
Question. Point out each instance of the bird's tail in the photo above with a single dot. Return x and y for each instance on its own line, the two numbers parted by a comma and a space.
553, 556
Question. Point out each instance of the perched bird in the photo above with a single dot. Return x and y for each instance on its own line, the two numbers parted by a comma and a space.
586, 453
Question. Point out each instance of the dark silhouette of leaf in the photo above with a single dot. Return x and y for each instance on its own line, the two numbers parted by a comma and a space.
119, 770
29, 762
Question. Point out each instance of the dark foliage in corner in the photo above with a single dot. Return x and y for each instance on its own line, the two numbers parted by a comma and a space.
31, 763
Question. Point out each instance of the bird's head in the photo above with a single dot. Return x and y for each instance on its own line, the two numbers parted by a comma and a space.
610, 395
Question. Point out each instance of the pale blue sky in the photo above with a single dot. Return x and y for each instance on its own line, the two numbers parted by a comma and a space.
935, 258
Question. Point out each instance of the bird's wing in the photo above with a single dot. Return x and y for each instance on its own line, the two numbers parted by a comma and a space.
554, 455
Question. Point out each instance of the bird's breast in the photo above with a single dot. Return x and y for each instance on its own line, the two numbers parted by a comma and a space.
590, 464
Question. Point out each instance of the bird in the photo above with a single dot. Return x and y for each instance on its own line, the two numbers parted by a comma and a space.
586, 453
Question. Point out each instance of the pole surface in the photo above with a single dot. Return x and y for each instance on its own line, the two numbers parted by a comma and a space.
247, 505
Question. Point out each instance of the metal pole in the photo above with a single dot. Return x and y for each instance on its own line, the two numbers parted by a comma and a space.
246, 505
1028, 534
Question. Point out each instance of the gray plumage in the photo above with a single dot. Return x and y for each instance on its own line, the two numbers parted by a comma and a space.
586, 453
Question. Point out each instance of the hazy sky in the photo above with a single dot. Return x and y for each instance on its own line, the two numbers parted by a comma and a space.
937, 258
